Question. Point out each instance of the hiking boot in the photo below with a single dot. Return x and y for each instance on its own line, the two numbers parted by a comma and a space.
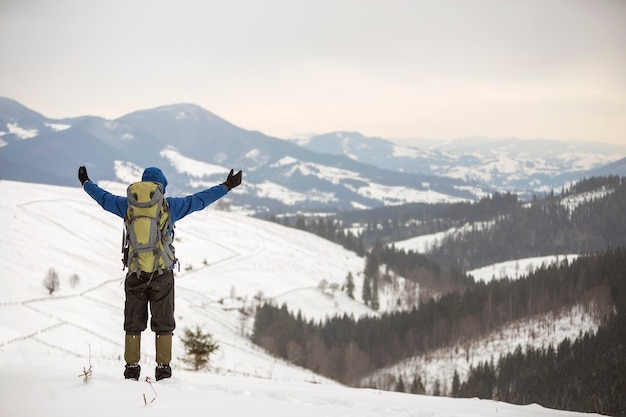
132, 371
162, 370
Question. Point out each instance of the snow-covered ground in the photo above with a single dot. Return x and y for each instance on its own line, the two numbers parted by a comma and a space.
229, 262
571, 202
425, 243
517, 268
512, 269
44, 387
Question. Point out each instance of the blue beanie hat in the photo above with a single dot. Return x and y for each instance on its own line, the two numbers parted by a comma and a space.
155, 175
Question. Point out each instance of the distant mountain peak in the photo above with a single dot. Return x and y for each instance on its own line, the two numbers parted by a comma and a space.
180, 112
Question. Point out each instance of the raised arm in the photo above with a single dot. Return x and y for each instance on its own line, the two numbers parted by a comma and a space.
182, 206
112, 203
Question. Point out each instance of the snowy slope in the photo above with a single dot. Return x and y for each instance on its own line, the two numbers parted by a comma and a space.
438, 367
519, 267
424, 243
229, 262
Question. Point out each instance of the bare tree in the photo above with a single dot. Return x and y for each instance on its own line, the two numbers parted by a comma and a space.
51, 281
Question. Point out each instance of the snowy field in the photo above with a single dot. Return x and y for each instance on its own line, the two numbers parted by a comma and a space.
424, 243
44, 387
229, 262
518, 268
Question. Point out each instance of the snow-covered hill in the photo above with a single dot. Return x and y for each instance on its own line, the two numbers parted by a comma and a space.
436, 369
229, 262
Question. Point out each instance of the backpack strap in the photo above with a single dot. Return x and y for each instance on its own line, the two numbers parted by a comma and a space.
167, 235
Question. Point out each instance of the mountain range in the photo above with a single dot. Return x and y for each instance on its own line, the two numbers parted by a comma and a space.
516, 165
336, 171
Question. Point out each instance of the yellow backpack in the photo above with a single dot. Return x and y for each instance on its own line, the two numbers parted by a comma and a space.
148, 230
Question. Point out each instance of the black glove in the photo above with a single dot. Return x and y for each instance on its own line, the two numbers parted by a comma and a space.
233, 180
82, 175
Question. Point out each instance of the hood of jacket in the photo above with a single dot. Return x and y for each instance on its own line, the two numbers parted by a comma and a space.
155, 175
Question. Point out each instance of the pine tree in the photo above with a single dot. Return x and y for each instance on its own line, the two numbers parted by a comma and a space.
400, 385
372, 264
367, 290
350, 285
417, 387
456, 385
300, 223
375, 299
198, 347
370, 279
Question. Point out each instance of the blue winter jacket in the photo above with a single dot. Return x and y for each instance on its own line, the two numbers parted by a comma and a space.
179, 206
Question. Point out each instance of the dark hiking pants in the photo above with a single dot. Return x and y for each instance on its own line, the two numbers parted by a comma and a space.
158, 294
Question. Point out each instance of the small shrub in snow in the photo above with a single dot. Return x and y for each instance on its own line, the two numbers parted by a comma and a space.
74, 280
198, 347
87, 372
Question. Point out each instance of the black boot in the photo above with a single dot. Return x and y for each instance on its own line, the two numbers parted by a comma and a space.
162, 371
132, 371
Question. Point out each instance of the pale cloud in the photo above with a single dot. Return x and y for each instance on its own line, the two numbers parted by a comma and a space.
401, 68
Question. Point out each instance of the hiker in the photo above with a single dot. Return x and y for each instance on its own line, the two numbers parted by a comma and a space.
150, 278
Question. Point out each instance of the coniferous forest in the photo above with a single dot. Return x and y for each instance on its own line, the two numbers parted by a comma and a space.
586, 374
542, 227
347, 349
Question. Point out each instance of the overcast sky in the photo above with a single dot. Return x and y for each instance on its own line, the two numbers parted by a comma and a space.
437, 69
